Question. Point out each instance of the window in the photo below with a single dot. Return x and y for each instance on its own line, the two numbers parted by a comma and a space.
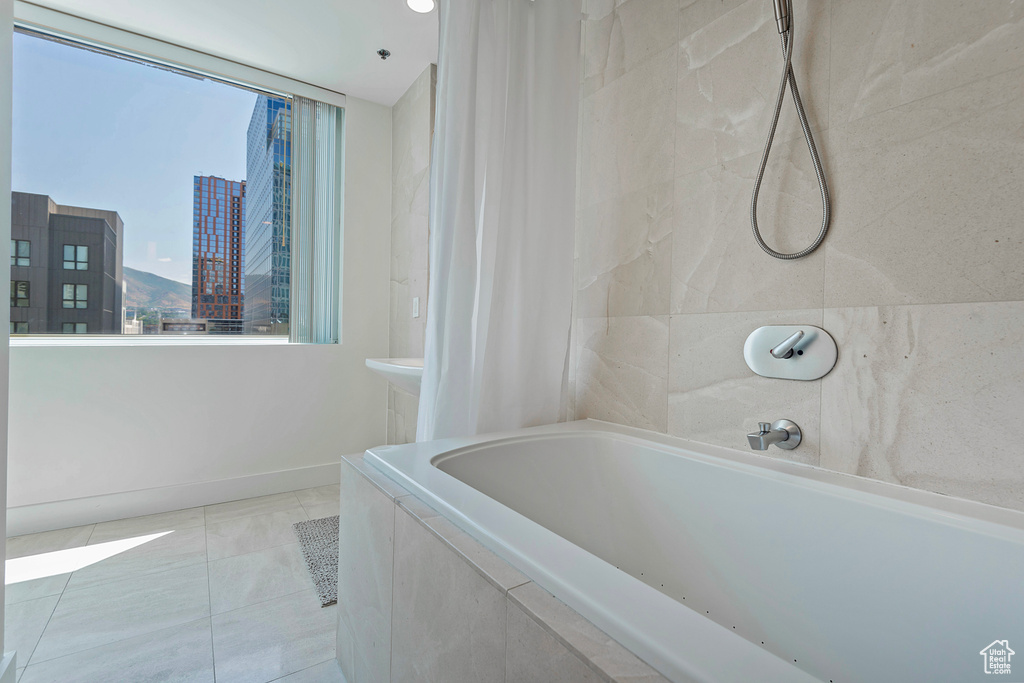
75, 328
76, 296
76, 257
233, 264
21, 250
19, 294
19, 327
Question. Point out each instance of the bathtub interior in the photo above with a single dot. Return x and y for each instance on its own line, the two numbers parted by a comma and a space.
845, 584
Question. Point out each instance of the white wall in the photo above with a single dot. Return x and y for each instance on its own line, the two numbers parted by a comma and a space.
94, 421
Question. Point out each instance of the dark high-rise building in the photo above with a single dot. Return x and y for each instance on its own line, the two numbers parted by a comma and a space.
66, 268
268, 217
218, 250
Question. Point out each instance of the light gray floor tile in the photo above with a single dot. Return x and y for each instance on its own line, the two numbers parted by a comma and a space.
48, 541
255, 577
322, 510
181, 654
249, 534
177, 549
236, 509
327, 672
24, 623
149, 524
321, 495
272, 639
110, 612
35, 588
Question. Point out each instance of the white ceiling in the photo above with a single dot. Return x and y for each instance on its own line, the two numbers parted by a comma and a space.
329, 43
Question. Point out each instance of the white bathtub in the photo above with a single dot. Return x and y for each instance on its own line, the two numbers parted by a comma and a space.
718, 565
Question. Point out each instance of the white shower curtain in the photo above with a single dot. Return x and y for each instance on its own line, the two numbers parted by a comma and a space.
502, 214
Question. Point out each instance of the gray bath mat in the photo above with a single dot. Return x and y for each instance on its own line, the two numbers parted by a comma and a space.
319, 541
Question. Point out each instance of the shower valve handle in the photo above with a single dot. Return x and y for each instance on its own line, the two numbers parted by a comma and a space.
785, 349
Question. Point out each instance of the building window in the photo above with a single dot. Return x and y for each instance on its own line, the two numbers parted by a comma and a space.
75, 328
76, 296
21, 250
19, 294
19, 327
76, 257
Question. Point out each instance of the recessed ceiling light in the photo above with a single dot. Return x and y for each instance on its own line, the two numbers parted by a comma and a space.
421, 6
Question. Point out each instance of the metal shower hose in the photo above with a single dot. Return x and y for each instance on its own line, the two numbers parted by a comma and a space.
787, 75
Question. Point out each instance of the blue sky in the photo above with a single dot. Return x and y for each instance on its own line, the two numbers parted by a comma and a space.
94, 131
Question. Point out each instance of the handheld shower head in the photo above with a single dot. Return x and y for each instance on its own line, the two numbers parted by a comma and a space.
782, 15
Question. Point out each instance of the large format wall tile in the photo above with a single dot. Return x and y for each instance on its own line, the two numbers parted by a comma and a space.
534, 656
412, 129
625, 254
917, 111
622, 371
929, 397
449, 622
928, 200
729, 72
716, 263
627, 141
886, 53
365, 565
403, 409
578, 636
619, 35
715, 398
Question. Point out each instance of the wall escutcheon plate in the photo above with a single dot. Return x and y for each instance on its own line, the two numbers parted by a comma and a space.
813, 356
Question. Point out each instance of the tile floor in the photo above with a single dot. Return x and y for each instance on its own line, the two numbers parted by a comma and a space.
225, 597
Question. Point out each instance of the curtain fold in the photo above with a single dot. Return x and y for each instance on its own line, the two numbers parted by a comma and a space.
316, 222
502, 216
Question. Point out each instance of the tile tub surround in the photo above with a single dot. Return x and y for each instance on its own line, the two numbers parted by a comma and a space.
426, 603
916, 107
412, 127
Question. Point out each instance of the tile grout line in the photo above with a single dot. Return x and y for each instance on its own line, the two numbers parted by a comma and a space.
110, 644
209, 599
263, 602
28, 660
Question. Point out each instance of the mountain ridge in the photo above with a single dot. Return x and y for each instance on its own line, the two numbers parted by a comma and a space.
148, 290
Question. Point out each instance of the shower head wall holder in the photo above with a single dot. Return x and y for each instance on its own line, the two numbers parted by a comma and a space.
801, 352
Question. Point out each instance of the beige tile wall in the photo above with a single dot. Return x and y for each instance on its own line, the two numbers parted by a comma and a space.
412, 121
918, 109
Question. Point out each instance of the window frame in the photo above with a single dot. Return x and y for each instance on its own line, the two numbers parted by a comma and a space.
55, 25
16, 256
16, 299
79, 296
77, 261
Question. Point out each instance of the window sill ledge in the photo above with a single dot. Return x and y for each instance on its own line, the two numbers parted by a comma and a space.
145, 340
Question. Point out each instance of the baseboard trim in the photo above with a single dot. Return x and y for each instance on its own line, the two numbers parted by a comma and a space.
8, 668
60, 514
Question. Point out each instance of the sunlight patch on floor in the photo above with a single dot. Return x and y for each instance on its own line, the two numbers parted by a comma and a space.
70, 560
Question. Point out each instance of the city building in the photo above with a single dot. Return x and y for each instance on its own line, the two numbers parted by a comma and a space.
268, 217
66, 268
218, 254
